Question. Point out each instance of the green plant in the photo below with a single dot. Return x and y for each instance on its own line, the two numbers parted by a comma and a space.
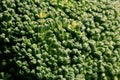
60, 40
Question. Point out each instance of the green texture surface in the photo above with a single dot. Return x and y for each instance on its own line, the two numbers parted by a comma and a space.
60, 40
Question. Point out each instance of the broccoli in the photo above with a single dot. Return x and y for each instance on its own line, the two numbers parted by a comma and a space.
60, 40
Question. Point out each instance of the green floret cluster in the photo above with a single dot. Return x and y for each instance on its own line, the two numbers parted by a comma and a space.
60, 40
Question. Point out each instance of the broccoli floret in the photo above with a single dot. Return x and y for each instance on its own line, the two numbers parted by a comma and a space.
60, 39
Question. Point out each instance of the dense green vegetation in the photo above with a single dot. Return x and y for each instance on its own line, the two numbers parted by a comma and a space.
60, 40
